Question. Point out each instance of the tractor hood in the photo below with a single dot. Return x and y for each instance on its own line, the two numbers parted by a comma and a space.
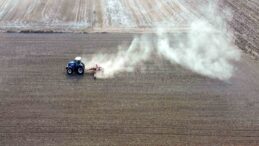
71, 62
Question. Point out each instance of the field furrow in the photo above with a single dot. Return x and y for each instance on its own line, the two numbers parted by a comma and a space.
126, 16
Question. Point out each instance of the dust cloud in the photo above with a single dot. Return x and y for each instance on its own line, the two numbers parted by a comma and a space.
207, 48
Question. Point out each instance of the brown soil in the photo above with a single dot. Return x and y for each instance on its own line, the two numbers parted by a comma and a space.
166, 105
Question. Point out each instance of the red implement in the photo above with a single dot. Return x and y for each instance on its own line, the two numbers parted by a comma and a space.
95, 69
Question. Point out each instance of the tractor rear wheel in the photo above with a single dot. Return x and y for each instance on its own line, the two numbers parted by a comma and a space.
80, 71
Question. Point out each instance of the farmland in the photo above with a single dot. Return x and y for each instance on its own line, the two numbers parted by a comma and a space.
166, 104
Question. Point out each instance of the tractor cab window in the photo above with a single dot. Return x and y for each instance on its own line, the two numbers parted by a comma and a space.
78, 61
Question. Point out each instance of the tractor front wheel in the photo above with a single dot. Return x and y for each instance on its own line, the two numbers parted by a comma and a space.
69, 71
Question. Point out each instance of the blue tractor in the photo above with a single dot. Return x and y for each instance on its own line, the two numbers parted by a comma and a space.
75, 66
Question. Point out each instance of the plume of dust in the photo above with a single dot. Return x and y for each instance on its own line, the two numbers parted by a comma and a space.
207, 49
125, 60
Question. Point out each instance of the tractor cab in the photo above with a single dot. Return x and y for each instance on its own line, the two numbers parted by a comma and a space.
78, 60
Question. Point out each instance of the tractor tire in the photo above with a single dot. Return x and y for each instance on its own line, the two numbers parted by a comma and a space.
69, 71
80, 71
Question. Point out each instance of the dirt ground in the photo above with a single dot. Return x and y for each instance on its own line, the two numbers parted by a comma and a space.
245, 24
166, 105
92, 15
126, 16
